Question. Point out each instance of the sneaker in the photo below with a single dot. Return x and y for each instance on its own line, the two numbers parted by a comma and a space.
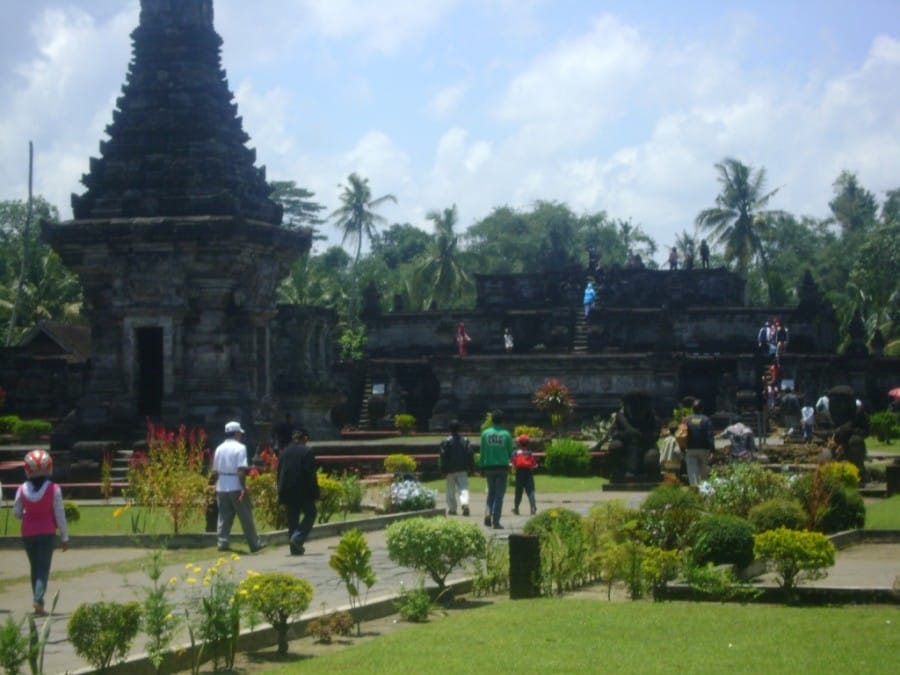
487, 521
297, 549
465, 510
257, 549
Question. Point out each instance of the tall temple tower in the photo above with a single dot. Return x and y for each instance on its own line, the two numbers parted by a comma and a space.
176, 242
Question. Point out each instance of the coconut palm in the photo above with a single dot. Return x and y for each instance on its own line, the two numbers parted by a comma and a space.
739, 220
440, 271
358, 221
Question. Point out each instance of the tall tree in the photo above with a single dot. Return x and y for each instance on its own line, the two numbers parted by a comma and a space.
739, 219
440, 270
299, 208
854, 208
357, 220
400, 244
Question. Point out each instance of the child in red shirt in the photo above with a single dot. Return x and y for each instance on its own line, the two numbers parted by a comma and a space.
524, 463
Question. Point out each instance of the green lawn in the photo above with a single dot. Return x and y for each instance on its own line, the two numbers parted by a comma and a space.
883, 514
542, 483
571, 636
874, 445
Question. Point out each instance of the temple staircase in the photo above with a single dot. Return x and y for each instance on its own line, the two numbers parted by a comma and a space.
580, 341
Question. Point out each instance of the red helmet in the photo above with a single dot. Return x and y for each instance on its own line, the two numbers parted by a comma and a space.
38, 463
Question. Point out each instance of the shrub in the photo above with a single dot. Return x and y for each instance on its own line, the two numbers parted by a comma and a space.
279, 597
352, 560
73, 512
774, 513
353, 492
8, 423
434, 546
555, 399
400, 464
658, 568
846, 511
414, 605
31, 430
667, 515
214, 611
263, 484
531, 432
795, 555
844, 473
490, 574
736, 488
325, 628
722, 540
404, 423
331, 496
829, 505
157, 619
13, 646
103, 631
719, 582
606, 524
564, 554
411, 495
885, 426
568, 457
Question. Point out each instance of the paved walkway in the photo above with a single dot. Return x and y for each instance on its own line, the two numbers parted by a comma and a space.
103, 584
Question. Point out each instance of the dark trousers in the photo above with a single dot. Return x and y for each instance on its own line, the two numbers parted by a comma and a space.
298, 530
525, 483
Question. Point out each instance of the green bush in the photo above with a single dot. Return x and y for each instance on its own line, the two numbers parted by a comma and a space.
830, 506
331, 496
736, 488
774, 513
415, 604
844, 473
885, 426
567, 457
658, 568
564, 553
795, 555
404, 423
411, 495
531, 432
31, 430
722, 539
846, 511
667, 515
279, 597
13, 646
325, 628
103, 631
8, 423
352, 560
435, 546
400, 464
73, 512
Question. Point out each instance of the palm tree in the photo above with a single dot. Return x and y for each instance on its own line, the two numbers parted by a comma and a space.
357, 221
440, 271
738, 221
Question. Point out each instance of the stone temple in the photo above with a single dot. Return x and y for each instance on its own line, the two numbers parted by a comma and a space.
179, 249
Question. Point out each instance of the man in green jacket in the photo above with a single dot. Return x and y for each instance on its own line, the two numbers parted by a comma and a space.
496, 451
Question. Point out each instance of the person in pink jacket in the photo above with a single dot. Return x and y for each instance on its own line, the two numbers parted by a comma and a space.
39, 505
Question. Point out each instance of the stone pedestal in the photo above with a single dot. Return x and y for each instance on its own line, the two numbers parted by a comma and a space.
524, 566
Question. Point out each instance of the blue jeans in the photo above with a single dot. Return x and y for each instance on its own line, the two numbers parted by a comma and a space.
496, 488
298, 530
39, 549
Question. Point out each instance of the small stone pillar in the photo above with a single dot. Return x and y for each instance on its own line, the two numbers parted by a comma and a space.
524, 566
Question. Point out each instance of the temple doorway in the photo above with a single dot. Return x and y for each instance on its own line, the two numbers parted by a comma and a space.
149, 340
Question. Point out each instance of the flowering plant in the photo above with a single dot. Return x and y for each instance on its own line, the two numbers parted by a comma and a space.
411, 495
555, 399
214, 609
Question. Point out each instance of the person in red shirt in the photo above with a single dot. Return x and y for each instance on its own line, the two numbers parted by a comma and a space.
39, 505
524, 464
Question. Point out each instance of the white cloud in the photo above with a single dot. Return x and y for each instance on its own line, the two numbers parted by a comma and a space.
447, 99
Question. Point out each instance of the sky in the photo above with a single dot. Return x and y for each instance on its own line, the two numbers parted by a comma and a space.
623, 107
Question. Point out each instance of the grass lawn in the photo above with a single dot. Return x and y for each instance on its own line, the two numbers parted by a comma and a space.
874, 445
883, 514
570, 636
542, 483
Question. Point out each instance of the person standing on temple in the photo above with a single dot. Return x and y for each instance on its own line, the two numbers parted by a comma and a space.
508, 340
673, 258
590, 295
704, 254
462, 339
496, 450
232, 493
298, 489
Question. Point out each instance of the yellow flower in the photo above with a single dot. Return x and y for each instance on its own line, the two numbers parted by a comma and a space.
173, 581
118, 512
191, 580
197, 569
235, 557
189, 566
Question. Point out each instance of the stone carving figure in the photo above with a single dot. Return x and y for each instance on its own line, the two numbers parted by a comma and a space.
633, 454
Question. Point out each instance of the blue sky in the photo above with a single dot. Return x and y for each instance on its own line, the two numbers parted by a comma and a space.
616, 106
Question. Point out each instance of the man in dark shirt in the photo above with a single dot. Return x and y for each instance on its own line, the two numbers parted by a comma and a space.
298, 489
701, 442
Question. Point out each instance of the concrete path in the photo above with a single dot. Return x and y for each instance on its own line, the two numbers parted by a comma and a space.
103, 584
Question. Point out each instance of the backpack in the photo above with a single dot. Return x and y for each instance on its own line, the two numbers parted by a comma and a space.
683, 435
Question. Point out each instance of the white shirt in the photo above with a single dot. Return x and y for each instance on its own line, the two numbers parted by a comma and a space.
230, 456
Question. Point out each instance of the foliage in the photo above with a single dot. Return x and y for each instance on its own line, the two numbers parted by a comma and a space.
779, 512
352, 560
487, 422
829, 505
555, 399
352, 343
324, 628
667, 515
531, 432
263, 484
722, 539
434, 546
106, 475
72, 510
599, 429
719, 582
490, 574
440, 273
404, 423
277, 596
564, 554
400, 464
352, 493
158, 617
29, 431
736, 488
567, 457
659, 566
844, 474
331, 496
37, 639
170, 477
214, 610
103, 631
885, 426
411, 495
415, 604
796, 556
13, 646
846, 511
8, 423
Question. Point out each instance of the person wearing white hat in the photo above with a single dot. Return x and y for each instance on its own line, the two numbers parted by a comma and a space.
232, 494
